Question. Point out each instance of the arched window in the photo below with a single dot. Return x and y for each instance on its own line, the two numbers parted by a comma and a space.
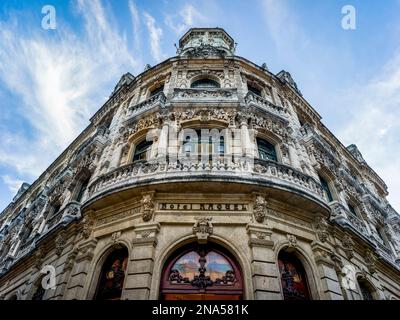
365, 290
293, 277
325, 187
266, 150
143, 150
204, 84
201, 272
82, 188
112, 276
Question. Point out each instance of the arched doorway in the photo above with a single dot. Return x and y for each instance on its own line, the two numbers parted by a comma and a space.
293, 277
201, 272
112, 276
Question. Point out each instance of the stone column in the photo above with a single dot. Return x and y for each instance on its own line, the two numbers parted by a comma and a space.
140, 267
163, 142
116, 155
265, 273
331, 289
76, 283
247, 144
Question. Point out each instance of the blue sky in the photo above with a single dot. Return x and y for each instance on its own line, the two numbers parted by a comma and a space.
52, 81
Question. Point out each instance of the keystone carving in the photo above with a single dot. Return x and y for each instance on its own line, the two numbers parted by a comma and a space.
348, 246
147, 209
203, 229
260, 208
292, 240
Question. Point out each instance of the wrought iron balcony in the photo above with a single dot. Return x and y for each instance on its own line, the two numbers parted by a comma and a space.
242, 170
252, 99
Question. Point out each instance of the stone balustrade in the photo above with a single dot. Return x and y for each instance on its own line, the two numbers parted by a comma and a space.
204, 95
241, 170
252, 99
158, 100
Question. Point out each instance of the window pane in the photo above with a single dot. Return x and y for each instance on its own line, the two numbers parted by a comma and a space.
266, 150
205, 83
326, 189
142, 150
254, 90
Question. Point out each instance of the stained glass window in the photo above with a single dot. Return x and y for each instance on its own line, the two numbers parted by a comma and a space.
266, 150
112, 276
215, 264
293, 278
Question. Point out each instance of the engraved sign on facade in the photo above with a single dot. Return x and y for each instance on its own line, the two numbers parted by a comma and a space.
164, 206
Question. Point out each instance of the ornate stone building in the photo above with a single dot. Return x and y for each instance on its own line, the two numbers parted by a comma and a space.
206, 176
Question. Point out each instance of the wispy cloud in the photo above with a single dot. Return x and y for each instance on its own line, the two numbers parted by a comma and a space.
187, 17
12, 184
155, 34
59, 78
374, 110
135, 17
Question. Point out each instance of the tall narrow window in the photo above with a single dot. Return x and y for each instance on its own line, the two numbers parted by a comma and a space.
221, 146
143, 150
254, 90
40, 291
266, 150
82, 189
156, 91
204, 83
112, 276
293, 277
326, 189
352, 210
366, 293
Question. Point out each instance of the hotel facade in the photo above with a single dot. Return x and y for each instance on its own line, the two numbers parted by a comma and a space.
204, 177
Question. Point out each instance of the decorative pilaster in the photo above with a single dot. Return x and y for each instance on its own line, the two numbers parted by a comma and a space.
75, 288
265, 273
140, 267
327, 271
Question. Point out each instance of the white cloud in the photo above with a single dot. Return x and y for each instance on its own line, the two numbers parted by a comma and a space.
187, 17
155, 38
135, 17
283, 27
58, 78
12, 184
374, 110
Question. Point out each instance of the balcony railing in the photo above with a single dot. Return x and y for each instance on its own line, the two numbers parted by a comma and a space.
241, 170
255, 100
71, 211
213, 95
342, 215
154, 101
